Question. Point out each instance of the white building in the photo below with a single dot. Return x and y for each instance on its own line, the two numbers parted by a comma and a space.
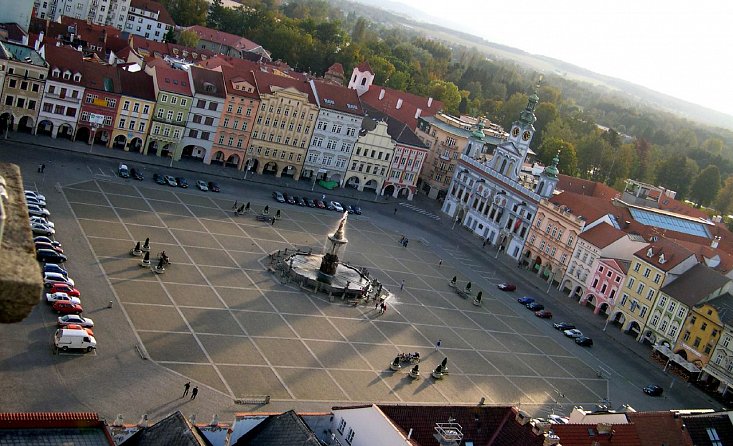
337, 128
208, 104
100, 12
148, 19
61, 103
494, 198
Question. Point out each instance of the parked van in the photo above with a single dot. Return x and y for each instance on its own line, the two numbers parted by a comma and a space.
123, 171
79, 339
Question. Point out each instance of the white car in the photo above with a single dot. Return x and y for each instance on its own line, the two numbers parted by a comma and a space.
35, 201
51, 298
170, 180
42, 221
201, 184
574, 333
75, 319
335, 206
38, 211
50, 278
41, 229
36, 195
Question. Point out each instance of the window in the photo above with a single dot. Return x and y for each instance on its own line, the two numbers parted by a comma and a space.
703, 326
122, 123
655, 320
350, 436
686, 336
647, 271
136, 107
126, 105
657, 278
179, 117
146, 108
637, 266
174, 100
342, 426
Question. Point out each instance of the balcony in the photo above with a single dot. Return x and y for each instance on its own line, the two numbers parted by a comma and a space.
65, 98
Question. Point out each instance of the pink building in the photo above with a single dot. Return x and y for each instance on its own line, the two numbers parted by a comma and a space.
604, 283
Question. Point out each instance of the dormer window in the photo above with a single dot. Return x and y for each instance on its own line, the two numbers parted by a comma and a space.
77, 77
649, 252
67, 74
662, 260
56, 72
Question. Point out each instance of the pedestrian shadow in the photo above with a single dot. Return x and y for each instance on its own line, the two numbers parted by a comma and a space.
166, 407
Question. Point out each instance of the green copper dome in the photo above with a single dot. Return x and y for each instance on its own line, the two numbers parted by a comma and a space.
551, 170
478, 132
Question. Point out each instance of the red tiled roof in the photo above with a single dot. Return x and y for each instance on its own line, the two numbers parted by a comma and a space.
408, 108
337, 97
208, 82
138, 84
336, 68
100, 77
267, 82
674, 254
16, 33
152, 48
587, 434
703, 252
231, 40
48, 419
172, 80
590, 208
231, 76
659, 428
364, 67
152, 6
602, 235
64, 58
586, 187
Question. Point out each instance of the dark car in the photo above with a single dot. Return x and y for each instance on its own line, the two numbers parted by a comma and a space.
136, 174
49, 256
525, 300
562, 326
54, 268
348, 208
44, 245
320, 204
214, 186
653, 390
534, 306
278, 196
506, 286
158, 178
543, 314
289, 199
310, 202
182, 182
300, 201
357, 209
585, 341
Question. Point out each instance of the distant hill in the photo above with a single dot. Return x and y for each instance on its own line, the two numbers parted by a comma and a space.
407, 16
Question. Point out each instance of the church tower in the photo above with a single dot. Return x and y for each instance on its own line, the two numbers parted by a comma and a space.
510, 155
548, 178
361, 78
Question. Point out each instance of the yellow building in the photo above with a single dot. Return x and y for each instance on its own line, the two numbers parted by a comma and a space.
652, 267
284, 125
132, 123
702, 330
23, 73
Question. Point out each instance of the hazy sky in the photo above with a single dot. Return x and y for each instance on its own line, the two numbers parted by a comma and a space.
682, 48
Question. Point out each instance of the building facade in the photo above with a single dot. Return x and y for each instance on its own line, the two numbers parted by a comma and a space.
407, 163
370, 160
148, 19
604, 284
284, 125
134, 114
335, 134
173, 98
100, 12
64, 91
24, 73
720, 366
702, 329
209, 95
102, 93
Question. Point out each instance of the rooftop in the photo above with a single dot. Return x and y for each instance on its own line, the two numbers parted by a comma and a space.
208, 82
21, 54
602, 235
337, 97
231, 40
152, 6
399, 131
695, 284
53, 428
171, 80
663, 254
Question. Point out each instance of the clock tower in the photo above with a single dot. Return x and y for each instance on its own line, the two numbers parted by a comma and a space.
509, 156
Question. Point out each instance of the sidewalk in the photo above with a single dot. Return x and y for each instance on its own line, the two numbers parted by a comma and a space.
350, 195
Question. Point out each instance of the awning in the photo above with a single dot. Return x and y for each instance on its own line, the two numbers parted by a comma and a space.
677, 359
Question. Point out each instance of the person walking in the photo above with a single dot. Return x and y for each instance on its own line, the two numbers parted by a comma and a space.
440, 262
185, 388
377, 304
437, 346
194, 392
236, 203
402, 285
404, 243
272, 223
395, 210
384, 307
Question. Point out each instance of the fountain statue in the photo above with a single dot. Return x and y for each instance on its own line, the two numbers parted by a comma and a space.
337, 241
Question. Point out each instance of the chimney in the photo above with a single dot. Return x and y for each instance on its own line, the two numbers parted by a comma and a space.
551, 439
381, 94
604, 428
399, 104
418, 112
714, 243
522, 417
409, 434
430, 102
143, 421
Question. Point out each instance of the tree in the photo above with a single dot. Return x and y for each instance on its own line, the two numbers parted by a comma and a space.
170, 36
706, 185
446, 92
676, 173
188, 38
511, 108
546, 112
187, 12
724, 200
568, 161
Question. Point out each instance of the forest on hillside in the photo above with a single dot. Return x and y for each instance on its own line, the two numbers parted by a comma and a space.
310, 35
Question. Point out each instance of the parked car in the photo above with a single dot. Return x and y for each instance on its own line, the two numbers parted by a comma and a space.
59, 287
43, 245
525, 300
41, 229
562, 326
201, 184
535, 306
75, 319
31, 193
299, 201
182, 182
335, 206
123, 171
557, 419
159, 179
55, 297
278, 196
54, 268
320, 204
584, 341
44, 239
543, 314
136, 174
67, 307
653, 390
42, 220
51, 278
573, 333
310, 202
35, 202
349, 209
170, 181
50, 256
288, 198
64, 339
506, 286
38, 211
214, 186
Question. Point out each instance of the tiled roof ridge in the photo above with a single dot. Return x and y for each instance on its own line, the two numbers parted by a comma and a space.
48, 416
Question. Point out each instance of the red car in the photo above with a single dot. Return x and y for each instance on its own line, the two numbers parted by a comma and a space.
320, 204
66, 307
60, 287
544, 314
506, 286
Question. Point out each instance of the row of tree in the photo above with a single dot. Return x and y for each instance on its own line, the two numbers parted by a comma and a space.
663, 149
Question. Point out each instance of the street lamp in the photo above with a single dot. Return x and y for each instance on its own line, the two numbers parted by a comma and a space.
94, 126
247, 167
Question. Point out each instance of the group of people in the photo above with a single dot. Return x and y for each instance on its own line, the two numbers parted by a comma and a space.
403, 241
